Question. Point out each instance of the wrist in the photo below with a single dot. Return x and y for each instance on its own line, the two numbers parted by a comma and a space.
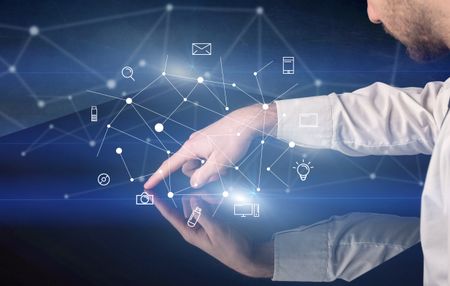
258, 119
262, 265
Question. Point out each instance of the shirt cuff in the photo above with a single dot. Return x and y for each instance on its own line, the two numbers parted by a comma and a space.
301, 255
306, 121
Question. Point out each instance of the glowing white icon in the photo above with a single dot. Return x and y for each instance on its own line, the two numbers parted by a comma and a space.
103, 179
288, 65
201, 49
144, 199
309, 120
94, 114
303, 169
246, 209
127, 72
195, 215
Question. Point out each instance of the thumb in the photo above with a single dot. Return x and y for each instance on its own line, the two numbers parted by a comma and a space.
203, 174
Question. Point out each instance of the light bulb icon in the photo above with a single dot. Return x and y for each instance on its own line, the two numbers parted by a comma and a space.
303, 169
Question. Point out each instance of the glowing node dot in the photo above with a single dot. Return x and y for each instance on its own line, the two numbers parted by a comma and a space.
92, 143
227, 108
34, 31
195, 185
169, 7
291, 144
12, 69
159, 127
141, 179
238, 134
160, 171
318, 82
258, 189
225, 194
129, 100
51, 126
265, 106
41, 103
200, 79
284, 115
233, 84
255, 73
372, 176
119, 151
69, 97
164, 73
66, 196
268, 169
259, 10
111, 84
420, 183
131, 180
23, 153
108, 126
262, 141
170, 195
236, 168
168, 152
185, 99
142, 63
202, 161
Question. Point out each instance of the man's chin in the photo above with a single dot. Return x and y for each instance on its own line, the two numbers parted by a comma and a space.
425, 54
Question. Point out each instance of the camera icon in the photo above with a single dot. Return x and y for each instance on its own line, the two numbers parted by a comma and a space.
144, 199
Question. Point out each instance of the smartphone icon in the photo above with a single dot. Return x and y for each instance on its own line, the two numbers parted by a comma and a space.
94, 114
288, 65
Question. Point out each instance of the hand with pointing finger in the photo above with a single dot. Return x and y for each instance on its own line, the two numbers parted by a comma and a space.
221, 144
218, 239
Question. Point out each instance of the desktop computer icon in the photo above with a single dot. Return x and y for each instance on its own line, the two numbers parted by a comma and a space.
246, 209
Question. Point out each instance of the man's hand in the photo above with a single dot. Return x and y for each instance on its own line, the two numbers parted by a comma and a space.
221, 145
219, 240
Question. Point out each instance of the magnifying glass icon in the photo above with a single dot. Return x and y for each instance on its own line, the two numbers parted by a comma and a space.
127, 72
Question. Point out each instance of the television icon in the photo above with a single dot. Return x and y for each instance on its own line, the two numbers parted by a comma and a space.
309, 120
246, 209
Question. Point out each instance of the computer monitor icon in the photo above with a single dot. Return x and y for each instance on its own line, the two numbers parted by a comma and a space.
246, 209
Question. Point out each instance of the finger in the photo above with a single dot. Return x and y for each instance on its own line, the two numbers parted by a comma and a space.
205, 219
190, 166
167, 167
202, 175
185, 200
172, 216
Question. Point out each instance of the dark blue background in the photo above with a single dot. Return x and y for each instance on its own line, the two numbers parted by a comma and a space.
100, 237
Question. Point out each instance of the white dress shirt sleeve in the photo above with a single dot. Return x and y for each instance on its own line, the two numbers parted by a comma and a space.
375, 120
342, 247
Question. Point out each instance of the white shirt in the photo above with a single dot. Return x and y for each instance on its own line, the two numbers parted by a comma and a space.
376, 120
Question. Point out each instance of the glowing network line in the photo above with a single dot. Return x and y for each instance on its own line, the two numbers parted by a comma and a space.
40, 33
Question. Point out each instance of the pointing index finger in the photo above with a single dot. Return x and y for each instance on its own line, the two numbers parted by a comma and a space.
169, 166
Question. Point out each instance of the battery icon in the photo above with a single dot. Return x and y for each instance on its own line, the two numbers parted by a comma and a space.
288, 65
94, 114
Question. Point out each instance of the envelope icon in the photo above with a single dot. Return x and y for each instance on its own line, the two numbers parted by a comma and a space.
201, 49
